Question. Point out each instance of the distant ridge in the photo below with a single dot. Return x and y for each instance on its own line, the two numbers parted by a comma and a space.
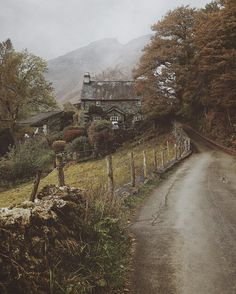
66, 71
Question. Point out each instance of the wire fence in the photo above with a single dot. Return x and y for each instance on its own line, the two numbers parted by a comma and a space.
114, 172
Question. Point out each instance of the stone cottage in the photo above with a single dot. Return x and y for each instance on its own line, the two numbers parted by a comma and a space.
112, 100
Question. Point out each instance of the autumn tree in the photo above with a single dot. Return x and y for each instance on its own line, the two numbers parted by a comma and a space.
165, 66
215, 61
23, 88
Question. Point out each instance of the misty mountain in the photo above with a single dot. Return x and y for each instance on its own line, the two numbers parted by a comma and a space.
66, 72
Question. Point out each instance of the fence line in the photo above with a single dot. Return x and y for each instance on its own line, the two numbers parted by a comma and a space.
131, 169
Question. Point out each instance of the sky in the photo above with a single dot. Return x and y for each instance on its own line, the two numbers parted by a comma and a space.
50, 28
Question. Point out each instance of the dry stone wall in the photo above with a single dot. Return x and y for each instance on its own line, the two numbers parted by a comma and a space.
37, 237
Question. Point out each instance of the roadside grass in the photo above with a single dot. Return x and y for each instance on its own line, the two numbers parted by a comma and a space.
105, 248
91, 175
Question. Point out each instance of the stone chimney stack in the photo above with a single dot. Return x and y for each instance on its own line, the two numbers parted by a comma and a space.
87, 78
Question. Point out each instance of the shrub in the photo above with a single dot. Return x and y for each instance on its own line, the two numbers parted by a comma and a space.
59, 146
80, 144
55, 137
25, 160
101, 135
70, 135
70, 128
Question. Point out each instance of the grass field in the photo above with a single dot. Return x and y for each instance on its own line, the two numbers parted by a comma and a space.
91, 175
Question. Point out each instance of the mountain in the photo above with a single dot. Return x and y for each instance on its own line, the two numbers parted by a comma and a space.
66, 72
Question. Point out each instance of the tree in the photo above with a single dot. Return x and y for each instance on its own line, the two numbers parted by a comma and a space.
164, 68
23, 88
215, 79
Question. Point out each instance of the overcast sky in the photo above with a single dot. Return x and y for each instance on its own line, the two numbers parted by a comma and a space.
50, 28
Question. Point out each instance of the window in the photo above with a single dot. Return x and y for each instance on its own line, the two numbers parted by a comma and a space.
137, 117
98, 103
114, 118
96, 118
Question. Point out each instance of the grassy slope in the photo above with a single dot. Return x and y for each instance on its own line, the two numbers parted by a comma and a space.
91, 175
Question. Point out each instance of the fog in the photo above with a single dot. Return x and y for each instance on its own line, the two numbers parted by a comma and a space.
50, 28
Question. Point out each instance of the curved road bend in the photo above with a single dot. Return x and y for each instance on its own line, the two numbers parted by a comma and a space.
186, 230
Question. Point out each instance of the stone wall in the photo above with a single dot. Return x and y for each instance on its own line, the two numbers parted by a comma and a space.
38, 238
128, 107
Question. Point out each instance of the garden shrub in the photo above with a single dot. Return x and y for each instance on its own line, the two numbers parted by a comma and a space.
80, 144
70, 135
55, 137
59, 146
25, 160
101, 135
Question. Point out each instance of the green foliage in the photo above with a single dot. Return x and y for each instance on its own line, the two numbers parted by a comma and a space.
25, 160
54, 137
101, 263
23, 88
80, 144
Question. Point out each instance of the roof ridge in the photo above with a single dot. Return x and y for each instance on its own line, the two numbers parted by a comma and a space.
113, 81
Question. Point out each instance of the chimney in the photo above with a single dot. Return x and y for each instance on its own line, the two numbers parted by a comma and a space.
87, 78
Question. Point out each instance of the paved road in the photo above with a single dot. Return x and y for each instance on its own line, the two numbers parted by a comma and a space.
186, 230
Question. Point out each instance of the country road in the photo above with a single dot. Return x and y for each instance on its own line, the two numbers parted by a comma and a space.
186, 230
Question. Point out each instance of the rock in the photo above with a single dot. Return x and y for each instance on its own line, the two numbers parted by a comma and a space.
35, 235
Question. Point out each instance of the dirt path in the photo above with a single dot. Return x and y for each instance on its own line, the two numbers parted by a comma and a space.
186, 230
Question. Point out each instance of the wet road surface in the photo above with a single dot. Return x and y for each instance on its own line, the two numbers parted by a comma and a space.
186, 230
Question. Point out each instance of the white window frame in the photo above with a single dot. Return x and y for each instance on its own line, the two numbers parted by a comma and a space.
114, 118
97, 118
137, 117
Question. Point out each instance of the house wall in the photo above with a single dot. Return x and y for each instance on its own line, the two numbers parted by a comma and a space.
120, 116
127, 106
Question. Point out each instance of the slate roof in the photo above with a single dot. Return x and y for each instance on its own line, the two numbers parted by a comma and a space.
38, 118
109, 90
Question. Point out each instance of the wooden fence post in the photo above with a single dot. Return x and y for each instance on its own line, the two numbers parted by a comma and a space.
155, 159
35, 186
186, 146
189, 144
144, 164
163, 157
110, 175
60, 171
176, 152
180, 150
132, 169
168, 149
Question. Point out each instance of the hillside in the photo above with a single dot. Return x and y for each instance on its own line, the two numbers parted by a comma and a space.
83, 175
66, 72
